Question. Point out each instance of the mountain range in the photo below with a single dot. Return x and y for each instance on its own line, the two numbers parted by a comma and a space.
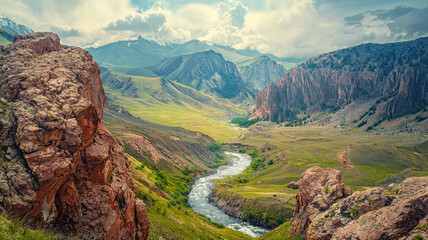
194, 64
126, 55
8, 29
205, 71
369, 86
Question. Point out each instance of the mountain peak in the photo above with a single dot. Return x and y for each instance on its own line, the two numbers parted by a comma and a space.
13, 27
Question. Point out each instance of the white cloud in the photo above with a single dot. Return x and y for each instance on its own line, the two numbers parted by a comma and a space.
282, 27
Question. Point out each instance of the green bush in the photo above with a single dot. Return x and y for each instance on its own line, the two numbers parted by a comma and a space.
214, 147
244, 121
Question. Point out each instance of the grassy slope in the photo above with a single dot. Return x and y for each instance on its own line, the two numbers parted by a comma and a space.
10, 229
379, 159
173, 104
5, 37
172, 219
375, 156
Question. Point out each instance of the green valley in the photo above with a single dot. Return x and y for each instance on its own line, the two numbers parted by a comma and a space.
170, 103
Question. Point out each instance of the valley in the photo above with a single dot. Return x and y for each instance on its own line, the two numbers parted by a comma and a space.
139, 139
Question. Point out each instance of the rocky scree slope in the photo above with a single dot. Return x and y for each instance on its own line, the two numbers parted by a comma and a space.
382, 80
59, 166
326, 209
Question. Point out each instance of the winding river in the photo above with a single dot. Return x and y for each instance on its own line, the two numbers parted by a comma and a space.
201, 189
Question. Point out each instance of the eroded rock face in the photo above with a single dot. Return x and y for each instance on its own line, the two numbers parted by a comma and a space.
319, 188
392, 212
393, 75
60, 167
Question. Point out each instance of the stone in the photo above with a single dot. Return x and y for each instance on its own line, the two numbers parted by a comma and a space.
70, 174
293, 185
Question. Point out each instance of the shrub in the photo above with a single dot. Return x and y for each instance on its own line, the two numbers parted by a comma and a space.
254, 153
243, 150
214, 147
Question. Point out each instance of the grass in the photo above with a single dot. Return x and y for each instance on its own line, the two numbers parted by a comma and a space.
285, 152
10, 229
172, 219
281, 232
170, 103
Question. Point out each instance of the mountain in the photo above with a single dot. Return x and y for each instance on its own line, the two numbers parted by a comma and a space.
195, 46
59, 166
130, 54
127, 55
170, 103
204, 71
6, 37
13, 27
259, 72
370, 86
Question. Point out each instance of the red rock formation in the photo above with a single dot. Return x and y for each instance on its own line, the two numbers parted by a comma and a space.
393, 212
319, 188
393, 75
60, 167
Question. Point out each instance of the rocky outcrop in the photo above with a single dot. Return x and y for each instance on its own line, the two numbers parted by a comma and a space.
391, 79
325, 211
319, 188
259, 72
59, 166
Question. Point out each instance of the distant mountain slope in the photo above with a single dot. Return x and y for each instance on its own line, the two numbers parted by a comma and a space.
132, 54
206, 71
13, 27
6, 37
259, 72
170, 103
373, 83
195, 46
126, 55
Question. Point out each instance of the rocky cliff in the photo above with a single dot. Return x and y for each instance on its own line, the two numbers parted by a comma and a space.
325, 209
59, 166
205, 71
383, 81
259, 72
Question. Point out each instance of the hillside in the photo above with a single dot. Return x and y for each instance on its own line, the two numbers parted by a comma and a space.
5, 37
170, 103
259, 72
372, 86
13, 27
207, 72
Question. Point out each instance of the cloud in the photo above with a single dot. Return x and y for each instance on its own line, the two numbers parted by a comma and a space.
235, 14
287, 28
65, 32
399, 23
138, 23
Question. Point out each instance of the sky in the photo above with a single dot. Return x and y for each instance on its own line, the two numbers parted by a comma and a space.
285, 28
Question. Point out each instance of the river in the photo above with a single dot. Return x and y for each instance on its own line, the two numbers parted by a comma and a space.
201, 189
